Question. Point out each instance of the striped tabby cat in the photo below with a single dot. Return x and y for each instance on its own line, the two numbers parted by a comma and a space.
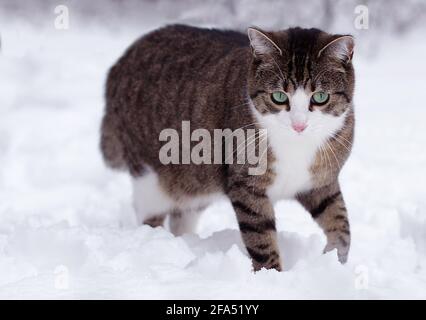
297, 84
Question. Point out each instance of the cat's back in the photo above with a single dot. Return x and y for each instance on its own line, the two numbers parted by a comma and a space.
173, 61
213, 36
169, 75
176, 45
188, 40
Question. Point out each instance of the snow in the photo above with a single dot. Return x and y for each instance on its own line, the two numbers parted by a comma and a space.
67, 227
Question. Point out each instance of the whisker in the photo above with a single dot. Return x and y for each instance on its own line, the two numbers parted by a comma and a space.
321, 159
242, 144
328, 159
340, 139
343, 138
248, 125
281, 72
261, 157
325, 154
334, 154
335, 136
342, 144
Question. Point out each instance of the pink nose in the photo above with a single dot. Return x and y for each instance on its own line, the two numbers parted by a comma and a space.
299, 127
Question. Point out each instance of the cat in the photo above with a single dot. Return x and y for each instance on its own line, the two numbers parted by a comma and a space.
298, 84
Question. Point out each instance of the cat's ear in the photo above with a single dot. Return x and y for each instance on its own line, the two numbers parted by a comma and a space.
341, 48
261, 43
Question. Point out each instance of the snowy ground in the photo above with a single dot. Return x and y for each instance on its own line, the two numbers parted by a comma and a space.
67, 228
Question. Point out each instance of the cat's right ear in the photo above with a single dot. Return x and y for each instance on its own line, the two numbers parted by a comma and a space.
261, 43
340, 47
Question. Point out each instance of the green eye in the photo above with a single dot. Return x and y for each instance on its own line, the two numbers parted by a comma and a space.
279, 97
320, 98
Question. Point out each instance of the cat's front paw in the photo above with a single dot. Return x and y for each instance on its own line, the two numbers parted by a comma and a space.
273, 265
341, 242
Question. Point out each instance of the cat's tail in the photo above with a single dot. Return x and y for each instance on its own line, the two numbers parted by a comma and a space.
111, 146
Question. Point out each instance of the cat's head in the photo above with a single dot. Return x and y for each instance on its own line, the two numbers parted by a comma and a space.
301, 79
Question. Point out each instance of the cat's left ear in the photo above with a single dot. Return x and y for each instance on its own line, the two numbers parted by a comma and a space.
341, 48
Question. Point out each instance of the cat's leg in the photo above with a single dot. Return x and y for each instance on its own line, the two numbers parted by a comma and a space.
256, 219
183, 221
328, 209
156, 220
150, 202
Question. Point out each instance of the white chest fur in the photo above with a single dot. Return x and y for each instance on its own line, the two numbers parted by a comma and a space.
293, 159
294, 153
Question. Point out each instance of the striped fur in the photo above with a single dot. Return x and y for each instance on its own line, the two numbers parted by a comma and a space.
328, 208
216, 80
